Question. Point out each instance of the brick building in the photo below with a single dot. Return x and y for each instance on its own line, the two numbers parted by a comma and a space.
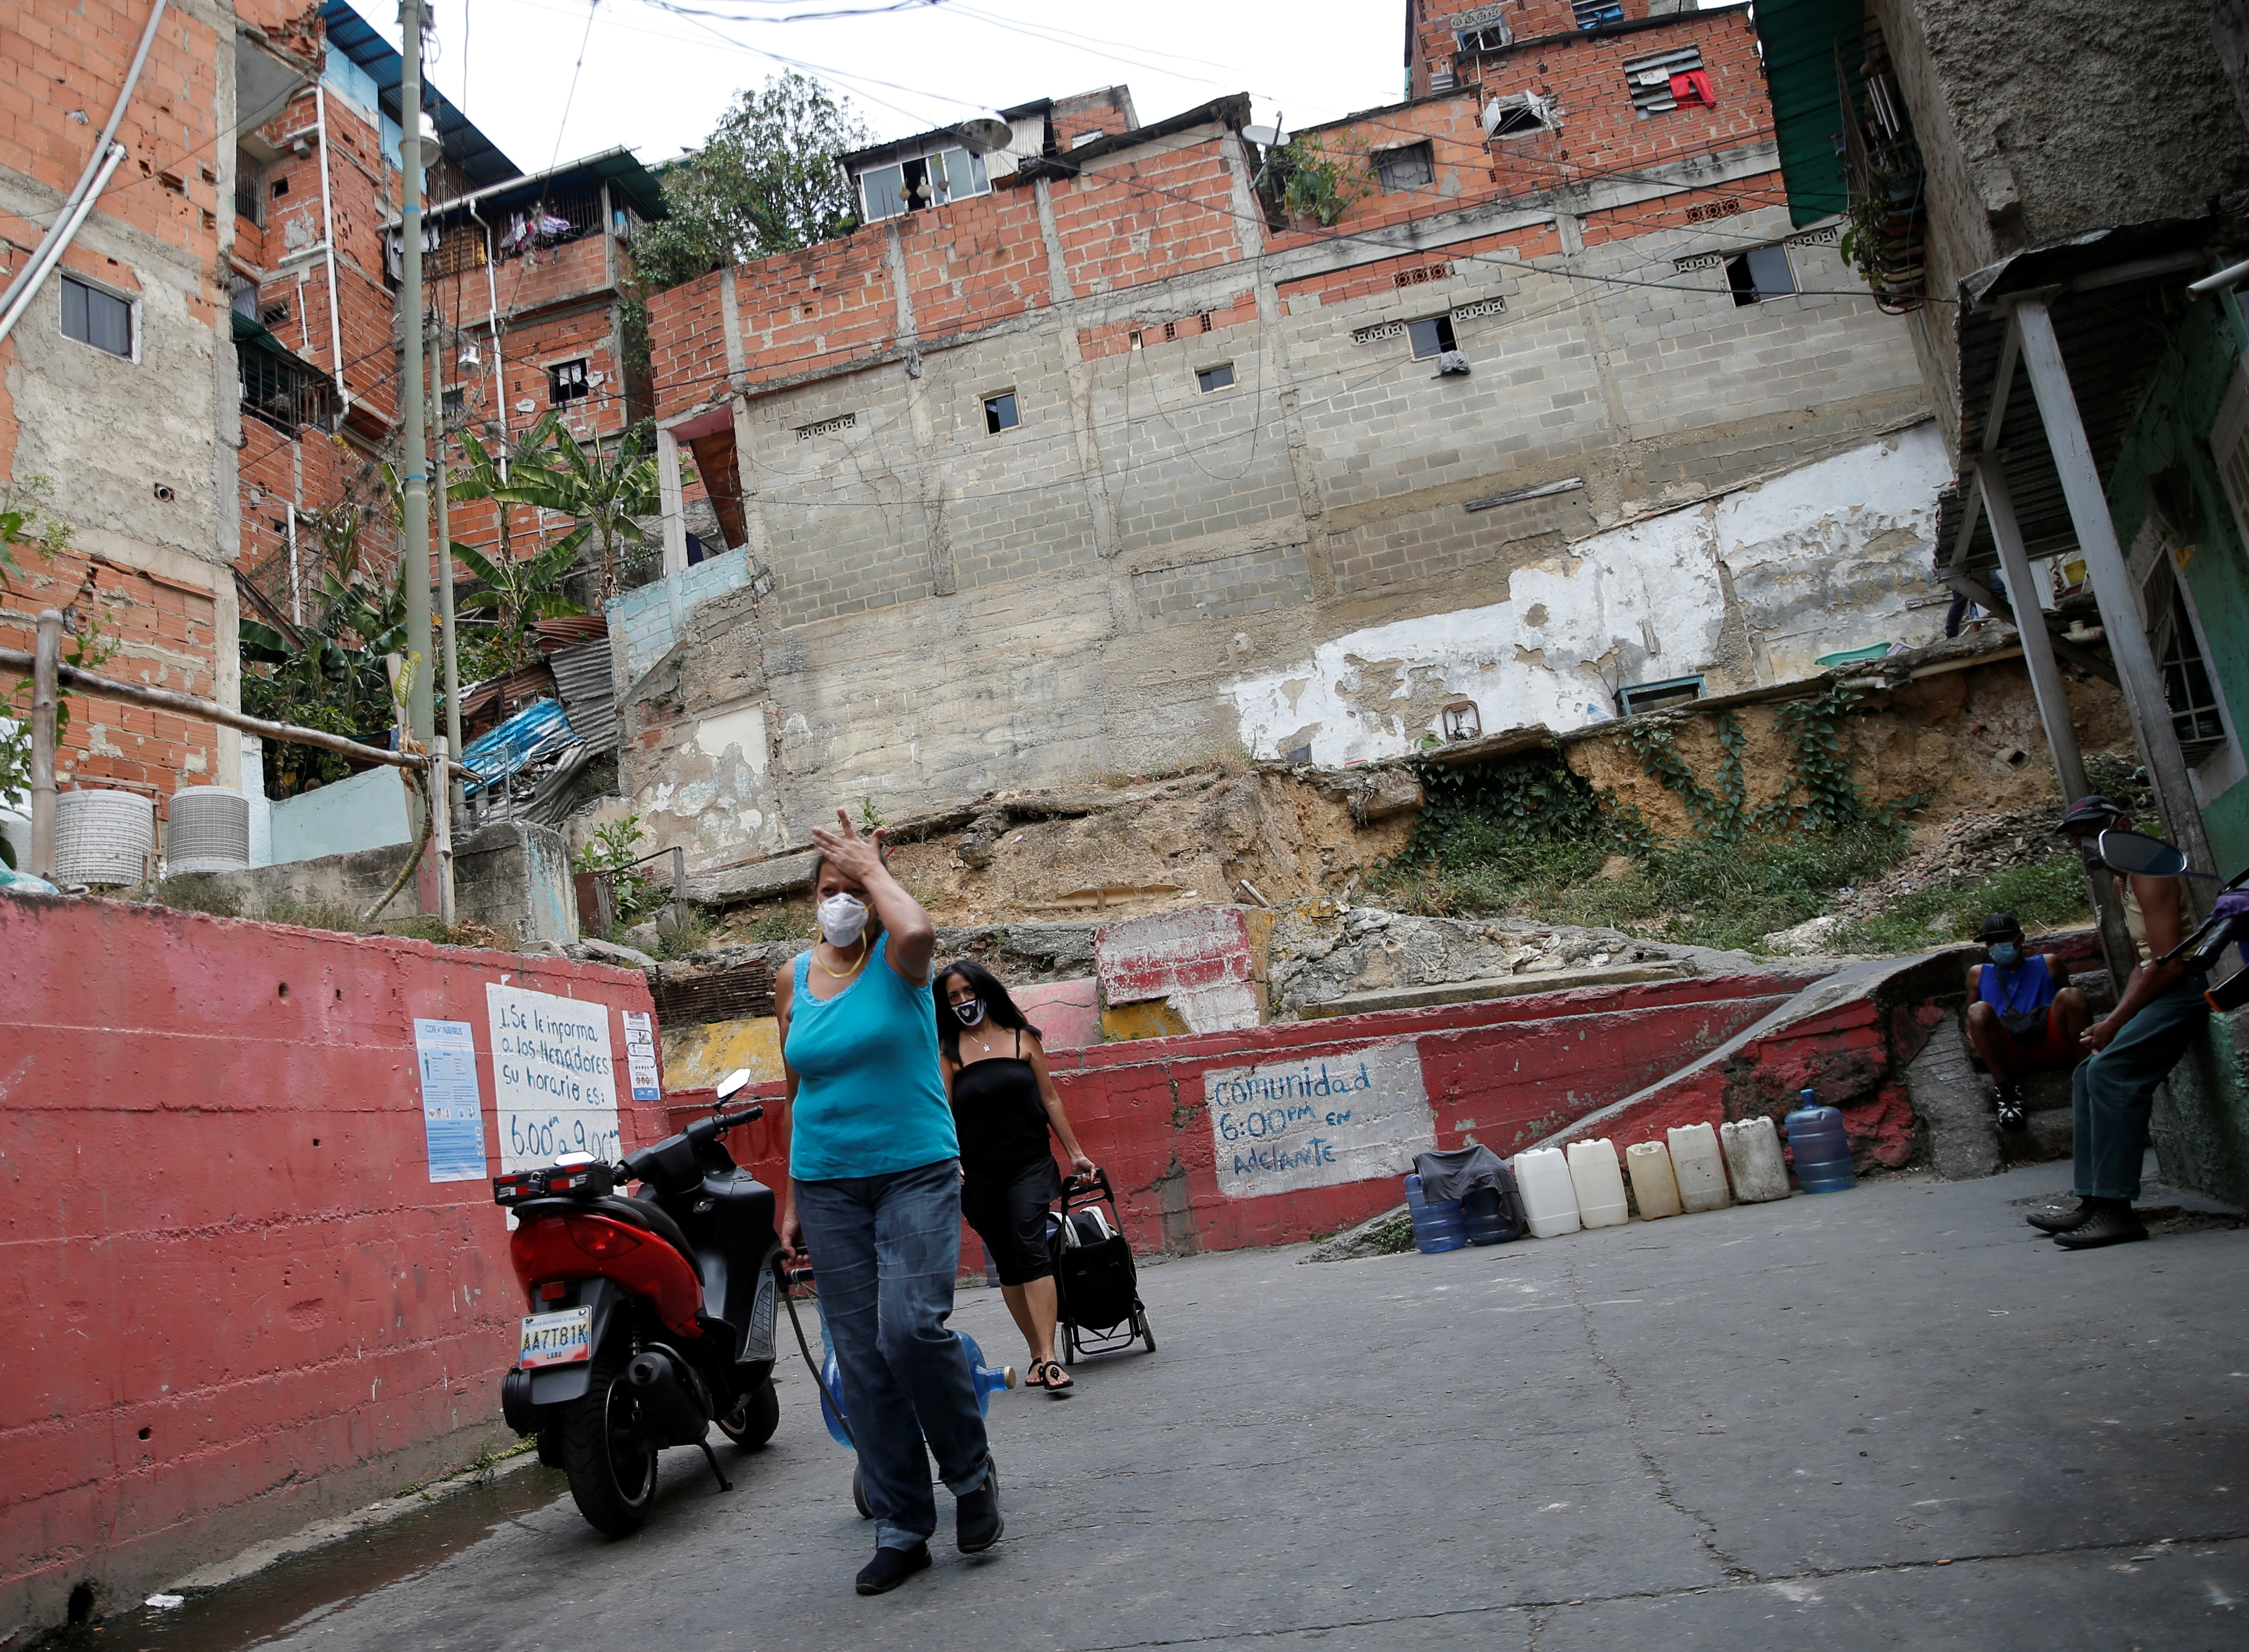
1095, 456
117, 378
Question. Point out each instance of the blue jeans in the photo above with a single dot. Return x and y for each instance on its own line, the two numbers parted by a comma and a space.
2113, 1091
886, 1249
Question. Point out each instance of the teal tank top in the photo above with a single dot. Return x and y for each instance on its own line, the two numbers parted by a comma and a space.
870, 1098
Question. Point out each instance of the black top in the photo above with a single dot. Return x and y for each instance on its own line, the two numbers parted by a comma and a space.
999, 1114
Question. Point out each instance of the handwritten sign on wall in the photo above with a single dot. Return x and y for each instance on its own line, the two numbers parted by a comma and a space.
1315, 1123
554, 1077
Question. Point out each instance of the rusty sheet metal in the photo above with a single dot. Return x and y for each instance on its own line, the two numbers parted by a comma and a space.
583, 678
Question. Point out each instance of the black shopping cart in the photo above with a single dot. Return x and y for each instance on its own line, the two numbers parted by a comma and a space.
1098, 1287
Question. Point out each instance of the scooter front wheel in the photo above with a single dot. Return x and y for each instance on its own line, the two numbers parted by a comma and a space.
609, 1451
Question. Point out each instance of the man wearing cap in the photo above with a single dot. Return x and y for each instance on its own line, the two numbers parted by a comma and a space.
2129, 1051
2019, 1019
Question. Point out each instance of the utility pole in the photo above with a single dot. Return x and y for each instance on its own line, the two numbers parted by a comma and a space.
415, 462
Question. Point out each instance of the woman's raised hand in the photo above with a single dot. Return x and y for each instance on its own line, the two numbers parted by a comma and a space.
858, 859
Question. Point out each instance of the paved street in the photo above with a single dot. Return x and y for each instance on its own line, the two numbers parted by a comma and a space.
1893, 1416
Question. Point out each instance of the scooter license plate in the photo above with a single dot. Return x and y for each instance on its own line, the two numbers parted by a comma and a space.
557, 1338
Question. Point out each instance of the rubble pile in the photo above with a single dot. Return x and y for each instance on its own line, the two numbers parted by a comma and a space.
1970, 847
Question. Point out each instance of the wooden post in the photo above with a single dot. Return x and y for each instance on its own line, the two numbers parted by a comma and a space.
46, 660
679, 888
2053, 700
2112, 589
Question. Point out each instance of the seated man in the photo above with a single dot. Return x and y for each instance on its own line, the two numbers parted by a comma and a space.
2129, 1051
2021, 1019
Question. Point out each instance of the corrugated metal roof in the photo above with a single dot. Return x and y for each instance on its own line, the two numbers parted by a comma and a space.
536, 731
583, 674
2110, 294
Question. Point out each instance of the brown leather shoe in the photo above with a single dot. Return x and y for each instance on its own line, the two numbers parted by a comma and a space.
2063, 1221
2111, 1225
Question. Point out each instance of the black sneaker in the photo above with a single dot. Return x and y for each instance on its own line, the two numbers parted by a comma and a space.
2113, 1224
2008, 1099
890, 1567
2063, 1221
976, 1521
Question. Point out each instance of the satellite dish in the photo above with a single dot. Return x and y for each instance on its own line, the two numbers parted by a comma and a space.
1265, 137
985, 134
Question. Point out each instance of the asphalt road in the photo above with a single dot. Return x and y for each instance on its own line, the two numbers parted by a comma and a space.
1893, 1416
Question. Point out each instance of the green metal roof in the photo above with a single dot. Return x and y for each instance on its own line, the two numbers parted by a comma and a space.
1799, 38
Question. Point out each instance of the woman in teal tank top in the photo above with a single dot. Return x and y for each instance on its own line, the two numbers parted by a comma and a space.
874, 1197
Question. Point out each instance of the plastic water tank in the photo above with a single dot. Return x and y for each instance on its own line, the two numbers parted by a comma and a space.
1821, 1148
1484, 1215
1599, 1183
1654, 1189
1542, 1175
1753, 1158
103, 837
1438, 1225
207, 830
1700, 1167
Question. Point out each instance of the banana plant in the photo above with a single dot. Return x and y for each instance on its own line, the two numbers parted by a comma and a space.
606, 488
518, 589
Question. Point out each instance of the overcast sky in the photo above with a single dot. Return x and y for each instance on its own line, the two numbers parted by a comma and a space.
658, 81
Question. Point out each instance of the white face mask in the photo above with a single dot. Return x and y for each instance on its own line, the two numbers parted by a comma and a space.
971, 1011
843, 919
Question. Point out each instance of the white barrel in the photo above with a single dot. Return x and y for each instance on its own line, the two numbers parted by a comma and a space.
1753, 1155
1599, 1183
103, 837
1700, 1167
207, 831
1542, 1175
1653, 1188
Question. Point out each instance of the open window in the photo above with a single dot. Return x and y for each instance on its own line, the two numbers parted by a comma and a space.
566, 382
1516, 114
1410, 165
1432, 336
922, 181
1760, 273
1000, 413
1656, 697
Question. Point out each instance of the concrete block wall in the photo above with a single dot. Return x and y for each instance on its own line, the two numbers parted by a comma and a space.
643, 626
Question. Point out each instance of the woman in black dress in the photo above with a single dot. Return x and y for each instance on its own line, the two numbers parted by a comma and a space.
1003, 1100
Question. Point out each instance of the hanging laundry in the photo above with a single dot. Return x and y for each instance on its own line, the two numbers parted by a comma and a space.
551, 228
394, 254
1693, 87
518, 229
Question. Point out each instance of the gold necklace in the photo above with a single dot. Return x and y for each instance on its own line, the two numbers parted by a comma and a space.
843, 974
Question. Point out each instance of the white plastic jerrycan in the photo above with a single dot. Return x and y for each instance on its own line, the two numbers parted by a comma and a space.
1753, 1155
1542, 1175
1700, 1167
1653, 1188
1599, 1183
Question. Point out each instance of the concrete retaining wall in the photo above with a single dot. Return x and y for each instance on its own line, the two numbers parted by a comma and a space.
236, 1301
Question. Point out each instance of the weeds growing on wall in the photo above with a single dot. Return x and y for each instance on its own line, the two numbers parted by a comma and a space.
2045, 894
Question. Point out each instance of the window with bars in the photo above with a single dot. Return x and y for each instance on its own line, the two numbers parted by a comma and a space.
282, 392
1650, 78
2188, 689
1593, 14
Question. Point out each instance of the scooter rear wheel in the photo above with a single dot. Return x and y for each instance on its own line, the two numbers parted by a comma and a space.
608, 1450
753, 1422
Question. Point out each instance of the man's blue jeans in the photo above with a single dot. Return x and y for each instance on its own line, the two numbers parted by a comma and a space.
2112, 1092
885, 1248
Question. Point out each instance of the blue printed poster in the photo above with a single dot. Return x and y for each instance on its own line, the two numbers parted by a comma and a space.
452, 1111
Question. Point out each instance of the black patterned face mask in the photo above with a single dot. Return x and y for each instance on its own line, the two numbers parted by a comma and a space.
971, 1011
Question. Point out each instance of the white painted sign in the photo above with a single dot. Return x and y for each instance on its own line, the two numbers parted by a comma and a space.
554, 1077
640, 1056
1318, 1122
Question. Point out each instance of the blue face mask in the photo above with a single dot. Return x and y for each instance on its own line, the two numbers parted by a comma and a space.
2006, 954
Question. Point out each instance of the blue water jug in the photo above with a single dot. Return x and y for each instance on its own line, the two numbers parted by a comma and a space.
989, 1379
1437, 1223
1821, 1149
1485, 1218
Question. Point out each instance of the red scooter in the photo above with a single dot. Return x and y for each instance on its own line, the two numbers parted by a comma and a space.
651, 1317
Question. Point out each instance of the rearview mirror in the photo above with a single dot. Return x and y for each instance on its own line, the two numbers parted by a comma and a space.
2140, 856
732, 1084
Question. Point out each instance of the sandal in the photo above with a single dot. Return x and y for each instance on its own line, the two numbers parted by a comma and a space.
1049, 1375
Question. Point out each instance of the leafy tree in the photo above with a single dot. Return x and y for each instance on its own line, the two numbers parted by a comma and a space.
766, 182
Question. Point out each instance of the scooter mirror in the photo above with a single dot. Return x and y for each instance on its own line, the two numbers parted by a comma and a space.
2140, 856
732, 1084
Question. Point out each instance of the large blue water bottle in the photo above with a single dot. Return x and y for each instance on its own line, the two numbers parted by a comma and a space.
1437, 1223
988, 1380
1484, 1217
1821, 1149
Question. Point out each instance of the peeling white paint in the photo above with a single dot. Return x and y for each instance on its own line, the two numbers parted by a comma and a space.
1822, 560
744, 728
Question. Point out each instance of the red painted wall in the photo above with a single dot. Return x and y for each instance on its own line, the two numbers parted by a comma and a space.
1502, 1072
234, 1301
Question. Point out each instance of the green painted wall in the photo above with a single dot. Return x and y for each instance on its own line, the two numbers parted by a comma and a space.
2202, 1136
